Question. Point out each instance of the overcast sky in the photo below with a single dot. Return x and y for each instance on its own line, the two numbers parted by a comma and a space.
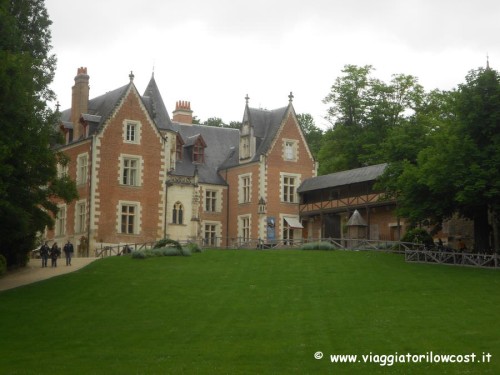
214, 52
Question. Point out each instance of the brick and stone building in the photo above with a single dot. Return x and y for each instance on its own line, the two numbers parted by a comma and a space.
142, 176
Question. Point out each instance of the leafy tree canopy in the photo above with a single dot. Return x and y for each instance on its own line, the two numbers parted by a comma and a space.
363, 112
28, 177
456, 169
312, 133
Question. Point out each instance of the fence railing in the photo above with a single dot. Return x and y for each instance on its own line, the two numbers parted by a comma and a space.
453, 258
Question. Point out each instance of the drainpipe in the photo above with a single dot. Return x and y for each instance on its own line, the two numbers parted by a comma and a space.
92, 190
227, 213
165, 210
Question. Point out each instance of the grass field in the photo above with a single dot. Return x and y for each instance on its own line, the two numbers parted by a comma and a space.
251, 312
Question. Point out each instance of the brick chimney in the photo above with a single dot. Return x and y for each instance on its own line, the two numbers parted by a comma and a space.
79, 100
183, 113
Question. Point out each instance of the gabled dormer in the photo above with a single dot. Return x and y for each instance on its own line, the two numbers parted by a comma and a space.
195, 146
247, 136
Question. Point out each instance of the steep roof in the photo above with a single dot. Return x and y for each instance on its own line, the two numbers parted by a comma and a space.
99, 108
266, 124
155, 105
351, 176
220, 144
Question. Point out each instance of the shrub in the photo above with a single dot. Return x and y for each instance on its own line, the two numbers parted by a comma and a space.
323, 245
3, 265
193, 247
160, 252
418, 235
138, 254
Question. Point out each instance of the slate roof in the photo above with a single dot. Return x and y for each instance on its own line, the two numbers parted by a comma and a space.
99, 108
266, 124
220, 142
156, 107
351, 176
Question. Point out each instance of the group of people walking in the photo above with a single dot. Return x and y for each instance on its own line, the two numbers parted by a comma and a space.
54, 253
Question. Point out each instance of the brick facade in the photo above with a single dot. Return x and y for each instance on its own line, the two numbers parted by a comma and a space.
141, 176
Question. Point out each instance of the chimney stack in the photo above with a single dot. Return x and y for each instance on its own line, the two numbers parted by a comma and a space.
183, 112
79, 100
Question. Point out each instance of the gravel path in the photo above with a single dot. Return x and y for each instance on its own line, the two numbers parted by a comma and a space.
34, 272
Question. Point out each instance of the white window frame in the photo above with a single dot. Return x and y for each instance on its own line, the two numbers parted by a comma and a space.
126, 177
287, 196
244, 227
290, 147
132, 137
82, 168
61, 219
80, 216
62, 170
210, 233
211, 200
245, 188
136, 224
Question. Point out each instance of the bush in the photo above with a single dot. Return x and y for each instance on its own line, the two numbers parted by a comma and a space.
3, 265
323, 245
160, 252
193, 247
138, 254
418, 235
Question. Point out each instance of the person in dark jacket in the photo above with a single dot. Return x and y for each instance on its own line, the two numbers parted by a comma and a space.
68, 252
44, 254
55, 252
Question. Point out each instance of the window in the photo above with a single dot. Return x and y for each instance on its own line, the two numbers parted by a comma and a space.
62, 170
82, 168
81, 215
210, 201
289, 189
245, 228
132, 131
178, 213
61, 221
290, 150
178, 148
128, 219
245, 188
130, 136
245, 147
130, 172
198, 156
210, 235
287, 232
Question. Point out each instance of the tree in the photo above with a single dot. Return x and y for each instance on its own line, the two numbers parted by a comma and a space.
312, 133
217, 122
457, 172
363, 113
28, 177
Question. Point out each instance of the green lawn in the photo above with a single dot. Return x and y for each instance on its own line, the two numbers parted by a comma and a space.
251, 312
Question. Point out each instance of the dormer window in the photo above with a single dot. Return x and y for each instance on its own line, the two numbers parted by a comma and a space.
178, 147
198, 152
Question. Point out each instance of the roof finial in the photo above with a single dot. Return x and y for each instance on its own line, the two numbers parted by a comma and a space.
487, 61
58, 106
131, 76
247, 98
290, 97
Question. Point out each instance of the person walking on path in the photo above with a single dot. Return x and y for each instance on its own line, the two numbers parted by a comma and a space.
68, 252
44, 254
55, 252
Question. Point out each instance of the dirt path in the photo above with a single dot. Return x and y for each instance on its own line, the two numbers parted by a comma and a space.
34, 272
